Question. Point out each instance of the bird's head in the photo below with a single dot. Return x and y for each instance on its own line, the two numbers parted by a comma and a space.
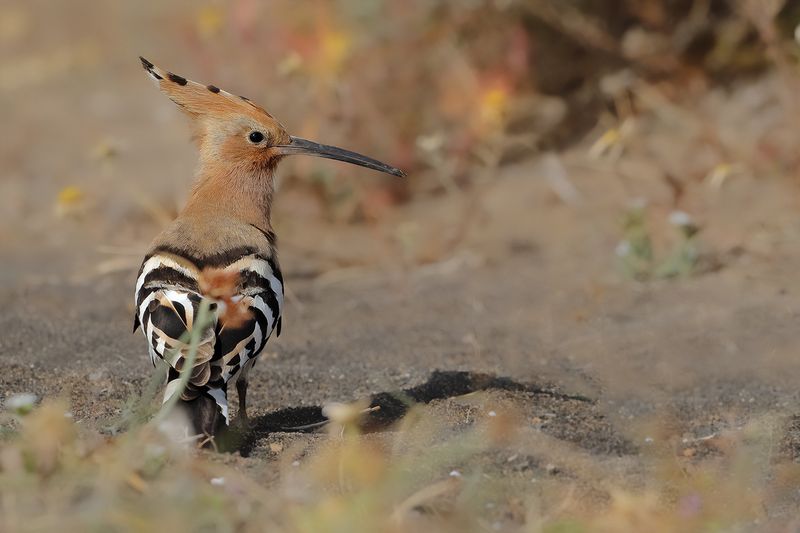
234, 132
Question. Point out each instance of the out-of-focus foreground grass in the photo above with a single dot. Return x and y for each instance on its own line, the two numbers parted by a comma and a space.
57, 476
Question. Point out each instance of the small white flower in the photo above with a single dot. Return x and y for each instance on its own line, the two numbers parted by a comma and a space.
680, 219
155, 450
638, 203
217, 481
342, 413
623, 248
430, 143
22, 403
455, 473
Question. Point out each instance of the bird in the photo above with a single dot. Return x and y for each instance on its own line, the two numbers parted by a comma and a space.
225, 228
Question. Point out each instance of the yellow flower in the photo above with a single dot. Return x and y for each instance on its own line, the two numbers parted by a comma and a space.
209, 21
71, 202
334, 48
70, 196
494, 103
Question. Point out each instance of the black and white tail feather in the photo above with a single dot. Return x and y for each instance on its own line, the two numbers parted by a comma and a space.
167, 301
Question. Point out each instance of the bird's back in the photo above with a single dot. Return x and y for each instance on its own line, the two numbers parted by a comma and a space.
168, 295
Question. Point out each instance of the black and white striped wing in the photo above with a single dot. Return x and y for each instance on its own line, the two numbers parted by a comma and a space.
262, 293
167, 301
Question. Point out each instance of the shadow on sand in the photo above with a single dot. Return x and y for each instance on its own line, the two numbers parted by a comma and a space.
392, 407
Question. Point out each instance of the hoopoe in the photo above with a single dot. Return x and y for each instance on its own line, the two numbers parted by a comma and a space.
226, 226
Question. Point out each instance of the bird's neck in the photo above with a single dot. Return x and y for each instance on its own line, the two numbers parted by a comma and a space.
234, 191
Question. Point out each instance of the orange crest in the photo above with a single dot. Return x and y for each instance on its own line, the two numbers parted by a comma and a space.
198, 100
231, 129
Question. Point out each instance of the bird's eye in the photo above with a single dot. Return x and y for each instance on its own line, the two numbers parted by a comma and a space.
256, 137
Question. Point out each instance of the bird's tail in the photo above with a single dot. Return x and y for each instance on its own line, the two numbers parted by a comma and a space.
205, 408
204, 415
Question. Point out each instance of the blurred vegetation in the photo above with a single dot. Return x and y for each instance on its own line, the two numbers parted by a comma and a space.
460, 79
444, 86
445, 89
637, 257
58, 476
442, 89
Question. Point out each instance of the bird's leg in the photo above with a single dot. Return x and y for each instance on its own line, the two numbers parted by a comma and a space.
241, 389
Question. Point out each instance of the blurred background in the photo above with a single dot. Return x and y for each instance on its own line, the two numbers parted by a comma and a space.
602, 197
661, 97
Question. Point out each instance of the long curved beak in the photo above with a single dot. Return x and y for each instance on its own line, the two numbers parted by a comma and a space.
301, 146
